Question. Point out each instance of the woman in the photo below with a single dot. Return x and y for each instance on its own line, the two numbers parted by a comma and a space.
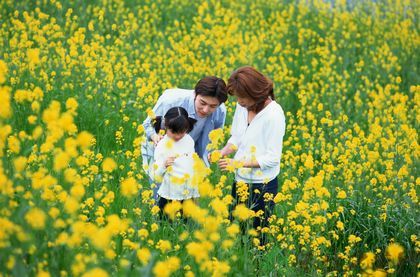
257, 134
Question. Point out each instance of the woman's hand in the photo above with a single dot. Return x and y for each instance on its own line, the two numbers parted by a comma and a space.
156, 138
169, 161
226, 164
228, 149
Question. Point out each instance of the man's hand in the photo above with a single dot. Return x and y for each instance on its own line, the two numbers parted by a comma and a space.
156, 138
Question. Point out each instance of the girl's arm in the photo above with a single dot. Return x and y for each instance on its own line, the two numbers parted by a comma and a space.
160, 157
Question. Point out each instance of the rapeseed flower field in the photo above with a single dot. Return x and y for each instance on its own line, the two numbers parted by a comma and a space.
77, 78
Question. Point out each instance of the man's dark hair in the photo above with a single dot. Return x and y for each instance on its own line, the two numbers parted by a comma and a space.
212, 86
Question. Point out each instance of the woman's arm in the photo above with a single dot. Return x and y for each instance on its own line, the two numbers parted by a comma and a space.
230, 164
228, 149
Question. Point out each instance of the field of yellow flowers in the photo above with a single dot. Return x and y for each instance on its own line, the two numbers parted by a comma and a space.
77, 78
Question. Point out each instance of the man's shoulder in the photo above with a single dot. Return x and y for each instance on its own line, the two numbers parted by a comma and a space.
177, 93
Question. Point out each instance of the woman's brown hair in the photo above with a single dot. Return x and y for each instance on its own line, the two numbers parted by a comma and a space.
247, 82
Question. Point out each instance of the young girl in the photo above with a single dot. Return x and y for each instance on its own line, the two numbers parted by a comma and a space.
173, 162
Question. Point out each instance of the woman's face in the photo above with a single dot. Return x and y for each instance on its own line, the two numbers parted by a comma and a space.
245, 102
175, 136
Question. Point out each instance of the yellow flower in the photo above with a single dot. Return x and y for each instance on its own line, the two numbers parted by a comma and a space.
394, 253
341, 194
36, 218
43, 273
378, 273
84, 139
108, 165
309, 162
200, 251
6, 109
3, 72
143, 254
154, 227
340, 225
33, 56
292, 259
233, 230
129, 187
166, 268
164, 245
215, 137
354, 239
61, 161
155, 210
37, 132
70, 175
368, 260
242, 212
20, 163
14, 144
219, 207
215, 156
35, 106
71, 205
71, 104
96, 272
151, 114
11, 262
172, 208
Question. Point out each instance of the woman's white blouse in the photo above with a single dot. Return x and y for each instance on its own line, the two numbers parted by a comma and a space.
262, 141
176, 182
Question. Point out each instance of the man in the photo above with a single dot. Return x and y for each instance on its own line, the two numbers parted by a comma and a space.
205, 104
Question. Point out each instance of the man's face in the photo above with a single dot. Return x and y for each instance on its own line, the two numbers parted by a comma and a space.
205, 105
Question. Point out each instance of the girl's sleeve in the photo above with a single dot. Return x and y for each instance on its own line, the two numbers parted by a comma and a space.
158, 168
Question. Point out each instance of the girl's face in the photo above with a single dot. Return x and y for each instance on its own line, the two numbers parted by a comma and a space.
175, 136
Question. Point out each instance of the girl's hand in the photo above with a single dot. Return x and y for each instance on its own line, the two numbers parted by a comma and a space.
156, 138
169, 161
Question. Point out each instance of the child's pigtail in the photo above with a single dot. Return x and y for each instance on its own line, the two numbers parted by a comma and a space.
157, 123
191, 121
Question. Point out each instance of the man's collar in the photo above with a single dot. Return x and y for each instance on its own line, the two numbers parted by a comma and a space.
191, 105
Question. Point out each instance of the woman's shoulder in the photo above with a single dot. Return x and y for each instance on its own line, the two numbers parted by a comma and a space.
276, 107
275, 112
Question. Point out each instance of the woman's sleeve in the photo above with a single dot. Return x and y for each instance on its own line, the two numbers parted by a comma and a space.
273, 139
